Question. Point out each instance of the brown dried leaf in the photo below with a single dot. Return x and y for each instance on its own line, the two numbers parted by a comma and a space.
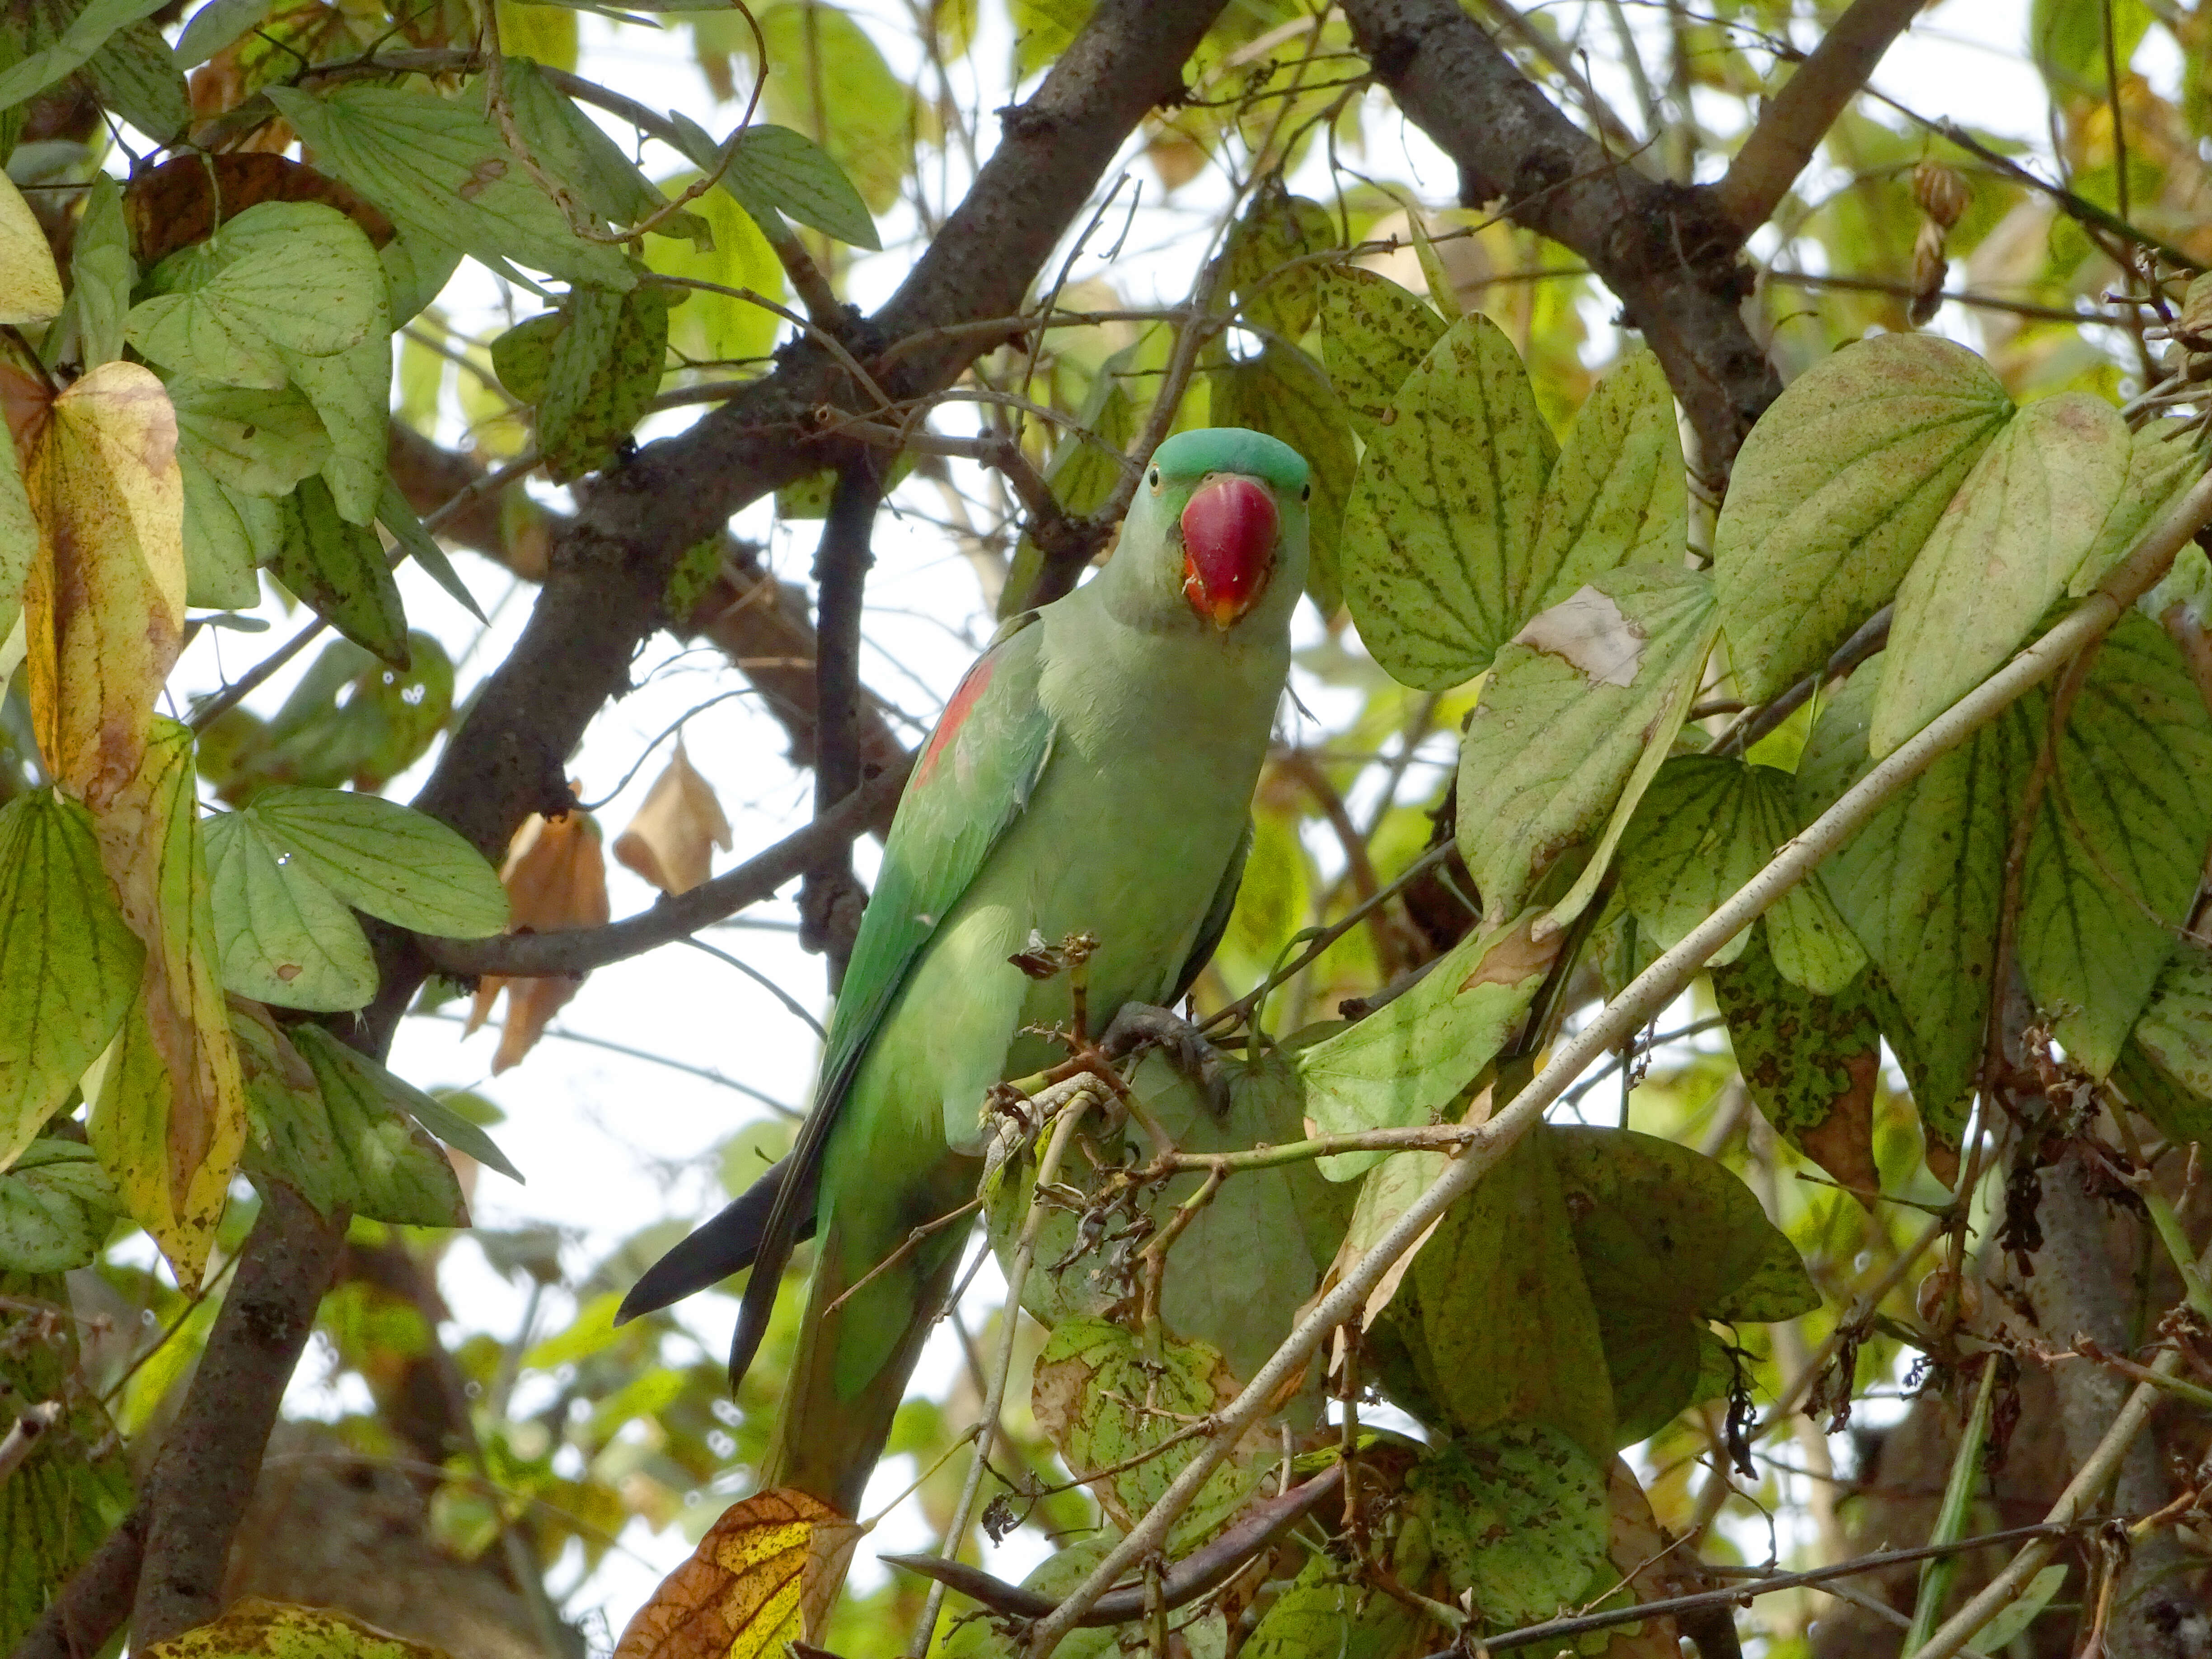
555, 878
104, 609
763, 1575
183, 200
672, 840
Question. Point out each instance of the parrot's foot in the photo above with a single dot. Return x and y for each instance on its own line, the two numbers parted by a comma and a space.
1141, 1025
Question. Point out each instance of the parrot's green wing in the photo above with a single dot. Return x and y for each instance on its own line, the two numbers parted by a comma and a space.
1217, 918
973, 779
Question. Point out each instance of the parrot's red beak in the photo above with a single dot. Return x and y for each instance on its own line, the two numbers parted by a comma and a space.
1228, 547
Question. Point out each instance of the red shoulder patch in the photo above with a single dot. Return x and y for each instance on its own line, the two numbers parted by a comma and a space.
966, 695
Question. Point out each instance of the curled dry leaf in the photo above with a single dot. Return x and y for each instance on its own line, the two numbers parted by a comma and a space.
555, 878
763, 1575
672, 840
104, 609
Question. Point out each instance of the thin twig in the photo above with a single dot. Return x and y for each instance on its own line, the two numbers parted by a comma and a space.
30, 1423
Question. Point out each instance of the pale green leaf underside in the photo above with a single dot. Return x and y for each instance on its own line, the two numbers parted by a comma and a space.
281, 936
387, 1169
1919, 888
2001, 555
283, 276
2119, 840
1406, 1062
387, 859
226, 533
1442, 521
1835, 490
1518, 1518
56, 1205
257, 441
1374, 334
439, 168
1618, 494
1706, 826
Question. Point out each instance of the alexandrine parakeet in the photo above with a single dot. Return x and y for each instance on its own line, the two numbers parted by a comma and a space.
1092, 773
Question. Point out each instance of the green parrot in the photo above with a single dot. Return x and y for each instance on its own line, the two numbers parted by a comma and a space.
1092, 773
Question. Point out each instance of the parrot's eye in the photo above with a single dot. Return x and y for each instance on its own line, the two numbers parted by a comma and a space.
1306, 494
1155, 480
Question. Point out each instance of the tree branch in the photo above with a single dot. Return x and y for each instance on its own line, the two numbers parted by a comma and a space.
580, 950
760, 623
211, 1455
830, 899
1798, 117
1666, 249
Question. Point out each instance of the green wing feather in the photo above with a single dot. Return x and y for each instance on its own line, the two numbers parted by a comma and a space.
973, 779
1217, 917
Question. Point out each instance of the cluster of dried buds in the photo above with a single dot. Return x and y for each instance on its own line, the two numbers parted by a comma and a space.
1944, 195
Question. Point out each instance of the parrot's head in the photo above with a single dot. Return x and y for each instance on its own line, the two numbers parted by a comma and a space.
1221, 517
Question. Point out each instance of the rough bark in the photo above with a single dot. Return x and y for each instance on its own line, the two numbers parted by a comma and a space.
1667, 249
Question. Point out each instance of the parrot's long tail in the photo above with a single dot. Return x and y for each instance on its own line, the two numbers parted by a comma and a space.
850, 1371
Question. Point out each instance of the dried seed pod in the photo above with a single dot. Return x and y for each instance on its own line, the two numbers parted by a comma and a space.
1928, 269
1942, 193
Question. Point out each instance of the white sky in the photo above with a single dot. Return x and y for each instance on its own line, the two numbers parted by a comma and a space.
610, 1145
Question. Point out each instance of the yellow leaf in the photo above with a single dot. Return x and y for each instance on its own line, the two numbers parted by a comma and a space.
670, 840
104, 609
30, 286
555, 878
254, 1629
764, 1575
168, 1118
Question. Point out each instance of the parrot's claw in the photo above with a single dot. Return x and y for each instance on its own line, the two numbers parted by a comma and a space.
1141, 1025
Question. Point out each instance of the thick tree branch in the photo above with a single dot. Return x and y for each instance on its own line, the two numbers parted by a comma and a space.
830, 899
1798, 117
760, 623
211, 1455
1666, 249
